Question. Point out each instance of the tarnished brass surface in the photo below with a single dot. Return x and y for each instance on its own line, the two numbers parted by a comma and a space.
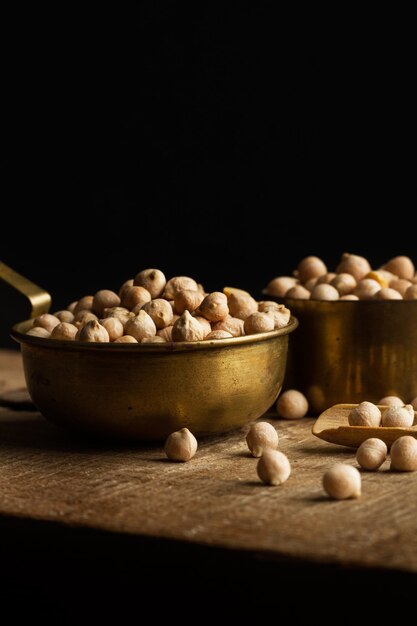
350, 351
40, 299
146, 391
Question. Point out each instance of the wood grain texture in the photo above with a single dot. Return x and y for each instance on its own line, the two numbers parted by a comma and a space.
216, 499
333, 426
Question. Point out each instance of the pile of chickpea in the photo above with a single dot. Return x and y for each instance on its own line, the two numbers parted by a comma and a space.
151, 309
353, 279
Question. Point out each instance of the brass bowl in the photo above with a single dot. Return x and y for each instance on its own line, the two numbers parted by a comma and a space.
350, 351
147, 391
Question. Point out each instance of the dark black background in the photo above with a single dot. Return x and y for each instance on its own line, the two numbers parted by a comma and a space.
209, 145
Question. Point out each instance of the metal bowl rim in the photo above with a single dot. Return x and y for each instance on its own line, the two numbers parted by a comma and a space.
183, 346
294, 302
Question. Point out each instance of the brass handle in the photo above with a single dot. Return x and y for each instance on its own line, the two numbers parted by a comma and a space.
40, 299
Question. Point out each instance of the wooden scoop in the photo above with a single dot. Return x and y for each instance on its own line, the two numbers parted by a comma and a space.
333, 426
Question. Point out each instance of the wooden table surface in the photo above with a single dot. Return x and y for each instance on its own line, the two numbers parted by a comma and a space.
215, 500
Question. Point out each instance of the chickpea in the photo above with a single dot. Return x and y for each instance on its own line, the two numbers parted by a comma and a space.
269, 305
292, 405
152, 280
342, 482
366, 289
187, 300
401, 285
135, 297
82, 317
310, 284
401, 266
259, 323
391, 401
218, 334
160, 311
181, 446
46, 321
155, 339
326, 279
365, 414
65, 316
411, 293
83, 304
279, 286
349, 296
104, 299
140, 326
39, 331
126, 339
398, 416
386, 293
371, 453
165, 333
324, 292
71, 307
310, 267
273, 467
280, 314
241, 306
204, 323
93, 332
232, 325
298, 292
238, 292
261, 436
113, 326
64, 332
353, 264
187, 328
127, 283
404, 454
381, 276
344, 283
214, 307
178, 283
122, 314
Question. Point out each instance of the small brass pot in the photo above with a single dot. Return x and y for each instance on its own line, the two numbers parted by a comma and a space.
147, 391
350, 351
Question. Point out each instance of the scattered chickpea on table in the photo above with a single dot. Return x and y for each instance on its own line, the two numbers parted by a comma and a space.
342, 481
404, 454
261, 436
372, 453
181, 446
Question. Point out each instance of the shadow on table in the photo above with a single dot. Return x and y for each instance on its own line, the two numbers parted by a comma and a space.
31, 430
330, 449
